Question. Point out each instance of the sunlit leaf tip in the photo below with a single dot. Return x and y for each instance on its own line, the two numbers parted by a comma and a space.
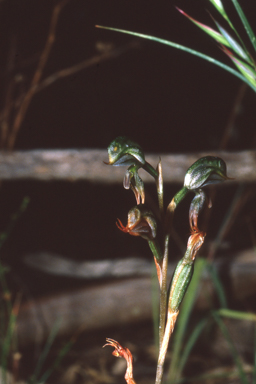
214, 34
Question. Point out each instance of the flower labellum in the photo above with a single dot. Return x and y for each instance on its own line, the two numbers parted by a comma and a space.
132, 180
141, 222
123, 151
119, 351
205, 171
196, 206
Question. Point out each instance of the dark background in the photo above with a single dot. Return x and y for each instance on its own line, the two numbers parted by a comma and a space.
168, 100
165, 99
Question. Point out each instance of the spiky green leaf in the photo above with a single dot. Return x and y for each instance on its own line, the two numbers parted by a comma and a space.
238, 315
214, 34
185, 49
234, 44
220, 8
236, 357
247, 71
246, 24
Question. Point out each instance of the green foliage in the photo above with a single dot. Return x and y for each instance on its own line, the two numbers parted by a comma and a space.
230, 46
234, 353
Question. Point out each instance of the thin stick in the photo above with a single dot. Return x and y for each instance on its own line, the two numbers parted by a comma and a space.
233, 115
37, 75
113, 53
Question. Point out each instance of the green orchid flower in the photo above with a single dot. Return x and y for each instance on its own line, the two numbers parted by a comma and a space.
123, 151
205, 171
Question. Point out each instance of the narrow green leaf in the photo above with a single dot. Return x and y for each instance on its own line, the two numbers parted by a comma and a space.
220, 8
246, 70
13, 219
234, 44
232, 348
237, 314
6, 345
218, 285
64, 350
214, 34
185, 49
190, 344
245, 23
47, 347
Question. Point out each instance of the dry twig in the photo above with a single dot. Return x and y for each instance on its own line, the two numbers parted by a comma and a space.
37, 75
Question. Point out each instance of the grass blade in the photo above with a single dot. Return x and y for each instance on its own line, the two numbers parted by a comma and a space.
190, 344
234, 44
185, 49
12, 222
220, 8
246, 24
237, 314
214, 34
232, 348
184, 314
5, 348
218, 285
48, 344
64, 350
245, 69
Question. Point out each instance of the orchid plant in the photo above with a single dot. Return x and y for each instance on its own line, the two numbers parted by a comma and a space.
143, 222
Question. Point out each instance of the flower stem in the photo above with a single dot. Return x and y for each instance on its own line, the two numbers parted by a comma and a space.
148, 168
172, 206
163, 292
171, 320
160, 189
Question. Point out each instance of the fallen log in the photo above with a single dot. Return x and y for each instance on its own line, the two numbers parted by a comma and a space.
88, 164
123, 301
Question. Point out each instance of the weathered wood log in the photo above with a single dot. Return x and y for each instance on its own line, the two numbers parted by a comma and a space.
87, 164
122, 301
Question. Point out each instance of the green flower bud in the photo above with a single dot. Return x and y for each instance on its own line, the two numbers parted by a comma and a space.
141, 222
184, 271
205, 171
123, 151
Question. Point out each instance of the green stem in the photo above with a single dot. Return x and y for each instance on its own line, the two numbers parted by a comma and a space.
157, 174
172, 206
160, 189
180, 195
163, 292
148, 168
171, 320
